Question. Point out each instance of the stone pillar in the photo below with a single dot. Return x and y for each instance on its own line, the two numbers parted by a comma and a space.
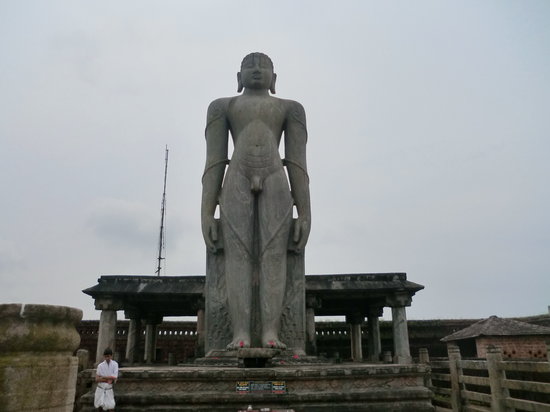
83, 357
200, 332
152, 321
134, 332
356, 321
400, 335
374, 345
312, 303
107, 333
311, 338
107, 325
497, 375
150, 342
424, 357
398, 302
455, 370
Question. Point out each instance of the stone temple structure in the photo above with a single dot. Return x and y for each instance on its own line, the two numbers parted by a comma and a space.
255, 302
360, 297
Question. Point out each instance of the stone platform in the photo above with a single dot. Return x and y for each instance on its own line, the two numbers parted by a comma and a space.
303, 388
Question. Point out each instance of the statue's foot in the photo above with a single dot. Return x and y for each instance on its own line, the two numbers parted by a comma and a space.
273, 343
238, 343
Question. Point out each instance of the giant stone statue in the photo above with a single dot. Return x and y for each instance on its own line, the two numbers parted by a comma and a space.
255, 273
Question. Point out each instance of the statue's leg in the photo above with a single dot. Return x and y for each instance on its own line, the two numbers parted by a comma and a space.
237, 219
275, 211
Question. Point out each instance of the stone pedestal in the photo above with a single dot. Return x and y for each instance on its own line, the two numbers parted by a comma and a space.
315, 388
37, 369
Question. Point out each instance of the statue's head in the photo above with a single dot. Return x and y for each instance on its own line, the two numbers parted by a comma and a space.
256, 73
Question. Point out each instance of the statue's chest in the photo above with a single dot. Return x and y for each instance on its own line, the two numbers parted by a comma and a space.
268, 111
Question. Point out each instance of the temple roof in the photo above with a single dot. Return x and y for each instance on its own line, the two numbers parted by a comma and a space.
330, 294
495, 326
127, 284
142, 284
361, 281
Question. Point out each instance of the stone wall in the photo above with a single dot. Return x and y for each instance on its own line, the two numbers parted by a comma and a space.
178, 338
514, 347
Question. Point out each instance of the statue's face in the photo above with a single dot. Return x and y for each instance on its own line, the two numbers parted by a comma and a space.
256, 72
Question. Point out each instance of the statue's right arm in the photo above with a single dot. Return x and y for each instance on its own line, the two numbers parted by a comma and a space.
216, 132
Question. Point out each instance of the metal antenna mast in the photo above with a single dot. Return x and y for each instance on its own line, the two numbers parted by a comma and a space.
162, 213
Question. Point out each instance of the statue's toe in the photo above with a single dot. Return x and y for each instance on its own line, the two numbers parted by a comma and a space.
238, 343
274, 344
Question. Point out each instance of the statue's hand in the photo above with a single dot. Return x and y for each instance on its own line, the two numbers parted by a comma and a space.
210, 233
302, 226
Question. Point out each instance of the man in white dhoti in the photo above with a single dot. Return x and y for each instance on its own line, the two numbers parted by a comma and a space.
105, 376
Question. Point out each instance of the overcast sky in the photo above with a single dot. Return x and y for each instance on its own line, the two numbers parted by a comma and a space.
428, 142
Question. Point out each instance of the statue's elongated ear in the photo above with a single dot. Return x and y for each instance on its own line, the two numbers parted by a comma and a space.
239, 83
272, 86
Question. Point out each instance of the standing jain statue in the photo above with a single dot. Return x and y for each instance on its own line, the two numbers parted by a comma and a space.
255, 229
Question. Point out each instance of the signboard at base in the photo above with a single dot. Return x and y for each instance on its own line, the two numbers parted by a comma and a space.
275, 387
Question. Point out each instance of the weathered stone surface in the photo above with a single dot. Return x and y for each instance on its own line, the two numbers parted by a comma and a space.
218, 323
255, 286
354, 387
107, 333
83, 359
40, 328
257, 353
37, 369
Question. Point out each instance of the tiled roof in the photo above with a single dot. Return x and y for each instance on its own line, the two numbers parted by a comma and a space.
495, 326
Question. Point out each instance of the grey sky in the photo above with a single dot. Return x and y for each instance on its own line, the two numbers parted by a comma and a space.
428, 140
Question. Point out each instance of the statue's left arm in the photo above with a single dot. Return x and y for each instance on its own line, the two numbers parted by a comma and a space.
295, 160
216, 160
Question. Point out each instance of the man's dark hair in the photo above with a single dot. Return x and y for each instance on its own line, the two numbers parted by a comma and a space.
108, 351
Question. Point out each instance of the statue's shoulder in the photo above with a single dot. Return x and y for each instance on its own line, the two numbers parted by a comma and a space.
219, 105
217, 109
295, 110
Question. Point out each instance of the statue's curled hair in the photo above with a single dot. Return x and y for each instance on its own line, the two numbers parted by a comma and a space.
260, 55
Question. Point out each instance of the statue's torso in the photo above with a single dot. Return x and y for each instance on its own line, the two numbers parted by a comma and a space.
256, 125
255, 182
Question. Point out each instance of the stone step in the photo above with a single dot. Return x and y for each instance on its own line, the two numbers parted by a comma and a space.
319, 388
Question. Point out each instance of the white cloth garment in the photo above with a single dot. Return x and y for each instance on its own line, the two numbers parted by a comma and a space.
104, 396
